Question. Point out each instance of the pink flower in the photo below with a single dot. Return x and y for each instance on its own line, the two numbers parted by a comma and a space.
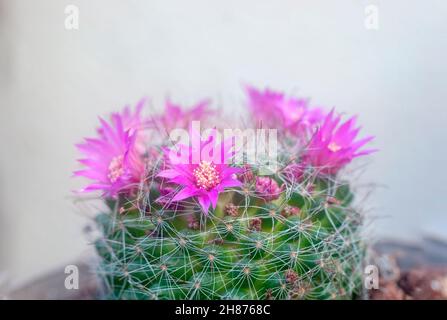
112, 160
264, 106
333, 145
274, 110
205, 179
130, 120
175, 116
267, 188
294, 172
246, 175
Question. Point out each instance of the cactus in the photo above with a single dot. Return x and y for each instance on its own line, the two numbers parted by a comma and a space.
293, 234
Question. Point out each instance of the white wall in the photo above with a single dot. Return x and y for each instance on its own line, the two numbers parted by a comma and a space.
54, 82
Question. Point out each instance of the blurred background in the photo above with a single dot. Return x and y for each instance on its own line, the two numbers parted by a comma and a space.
54, 82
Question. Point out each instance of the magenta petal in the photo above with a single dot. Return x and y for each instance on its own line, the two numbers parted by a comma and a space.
187, 174
229, 171
204, 203
334, 145
169, 173
213, 196
230, 182
365, 152
184, 193
362, 142
94, 187
108, 131
90, 174
114, 149
181, 180
345, 127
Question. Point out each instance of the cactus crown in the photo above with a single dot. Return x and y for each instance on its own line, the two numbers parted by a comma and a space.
290, 235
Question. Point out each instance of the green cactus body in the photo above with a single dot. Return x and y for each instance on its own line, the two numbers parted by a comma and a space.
302, 245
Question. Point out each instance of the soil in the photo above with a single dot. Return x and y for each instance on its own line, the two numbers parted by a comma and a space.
411, 271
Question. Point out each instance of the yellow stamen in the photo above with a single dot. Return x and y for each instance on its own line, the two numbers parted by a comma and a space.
334, 147
116, 169
206, 175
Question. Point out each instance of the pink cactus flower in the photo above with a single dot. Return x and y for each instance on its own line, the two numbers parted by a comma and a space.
130, 120
294, 172
203, 180
112, 160
175, 116
274, 110
267, 188
247, 175
333, 145
264, 107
